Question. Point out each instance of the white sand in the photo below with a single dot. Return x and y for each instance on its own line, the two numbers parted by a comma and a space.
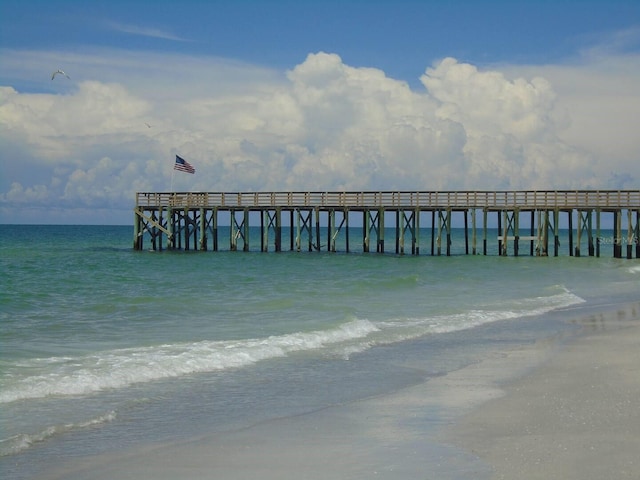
575, 417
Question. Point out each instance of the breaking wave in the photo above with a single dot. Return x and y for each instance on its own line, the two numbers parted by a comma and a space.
114, 369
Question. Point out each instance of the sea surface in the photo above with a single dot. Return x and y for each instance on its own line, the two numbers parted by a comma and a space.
105, 349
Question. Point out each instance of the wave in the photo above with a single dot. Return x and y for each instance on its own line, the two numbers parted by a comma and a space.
23, 441
398, 330
65, 376
68, 376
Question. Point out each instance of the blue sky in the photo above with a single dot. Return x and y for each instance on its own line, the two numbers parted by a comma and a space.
399, 37
295, 95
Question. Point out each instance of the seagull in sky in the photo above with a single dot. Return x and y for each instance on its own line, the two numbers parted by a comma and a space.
53, 75
148, 126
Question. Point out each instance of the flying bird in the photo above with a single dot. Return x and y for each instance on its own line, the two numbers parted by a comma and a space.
53, 75
149, 126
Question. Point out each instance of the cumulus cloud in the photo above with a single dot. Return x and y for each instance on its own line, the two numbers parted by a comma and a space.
486, 103
512, 139
18, 195
59, 126
325, 125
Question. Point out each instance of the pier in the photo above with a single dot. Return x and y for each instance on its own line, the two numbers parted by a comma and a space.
193, 220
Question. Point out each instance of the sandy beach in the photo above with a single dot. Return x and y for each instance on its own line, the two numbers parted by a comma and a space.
560, 408
574, 417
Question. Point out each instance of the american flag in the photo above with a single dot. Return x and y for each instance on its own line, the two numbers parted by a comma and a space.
183, 166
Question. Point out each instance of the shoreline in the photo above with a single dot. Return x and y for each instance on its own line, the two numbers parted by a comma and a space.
574, 417
449, 427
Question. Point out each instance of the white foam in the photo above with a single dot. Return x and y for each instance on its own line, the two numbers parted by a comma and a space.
406, 329
21, 442
64, 376
634, 269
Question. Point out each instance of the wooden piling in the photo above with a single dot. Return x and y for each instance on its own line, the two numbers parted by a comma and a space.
484, 230
417, 239
473, 231
466, 233
636, 237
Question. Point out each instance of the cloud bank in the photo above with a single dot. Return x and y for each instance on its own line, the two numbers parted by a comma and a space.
84, 144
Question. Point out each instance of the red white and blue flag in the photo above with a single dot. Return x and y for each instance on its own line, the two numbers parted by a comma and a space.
183, 166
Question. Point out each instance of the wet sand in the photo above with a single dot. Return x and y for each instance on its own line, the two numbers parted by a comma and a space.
577, 416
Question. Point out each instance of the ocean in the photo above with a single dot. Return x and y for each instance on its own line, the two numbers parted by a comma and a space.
104, 349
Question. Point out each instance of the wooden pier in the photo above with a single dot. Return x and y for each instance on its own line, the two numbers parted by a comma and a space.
191, 220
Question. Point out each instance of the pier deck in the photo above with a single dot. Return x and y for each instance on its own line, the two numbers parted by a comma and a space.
190, 220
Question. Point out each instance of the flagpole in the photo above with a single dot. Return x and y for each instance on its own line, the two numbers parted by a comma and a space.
173, 172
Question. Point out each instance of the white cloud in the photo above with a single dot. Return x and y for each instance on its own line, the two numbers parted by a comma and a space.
145, 31
324, 125
61, 126
486, 103
598, 103
35, 195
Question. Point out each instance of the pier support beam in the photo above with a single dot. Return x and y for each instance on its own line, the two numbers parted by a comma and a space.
444, 223
617, 234
540, 239
485, 214
303, 224
278, 227
366, 231
334, 230
380, 231
214, 228
239, 230
153, 224
203, 230
405, 221
597, 232
417, 234
292, 230
516, 232
171, 239
233, 232
473, 232
161, 222
509, 229
556, 233
636, 236
584, 225
433, 231
270, 221
466, 232
373, 220
331, 231
189, 230
317, 215
399, 233
629, 235
185, 229
554, 228
137, 227
346, 231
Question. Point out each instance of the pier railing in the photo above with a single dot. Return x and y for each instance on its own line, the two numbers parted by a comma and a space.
490, 200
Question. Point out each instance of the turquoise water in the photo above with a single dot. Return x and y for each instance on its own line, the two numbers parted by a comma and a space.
104, 348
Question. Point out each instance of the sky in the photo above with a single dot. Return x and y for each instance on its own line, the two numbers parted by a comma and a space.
348, 95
